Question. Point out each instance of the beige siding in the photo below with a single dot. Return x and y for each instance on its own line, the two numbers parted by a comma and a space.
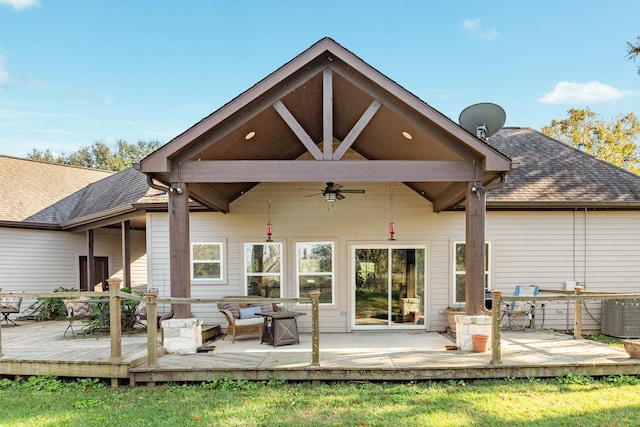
545, 248
41, 260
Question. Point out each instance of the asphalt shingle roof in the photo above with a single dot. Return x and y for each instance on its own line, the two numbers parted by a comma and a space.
550, 172
29, 189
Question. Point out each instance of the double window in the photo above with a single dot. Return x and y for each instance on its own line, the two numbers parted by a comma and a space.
207, 262
263, 269
315, 270
460, 271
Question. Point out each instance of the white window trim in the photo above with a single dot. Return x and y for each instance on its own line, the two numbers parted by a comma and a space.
456, 273
244, 266
333, 269
223, 256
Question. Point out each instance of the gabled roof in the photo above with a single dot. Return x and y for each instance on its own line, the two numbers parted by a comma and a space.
325, 101
550, 174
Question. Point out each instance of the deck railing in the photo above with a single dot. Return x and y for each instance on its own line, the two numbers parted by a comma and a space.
578, 296
152, 300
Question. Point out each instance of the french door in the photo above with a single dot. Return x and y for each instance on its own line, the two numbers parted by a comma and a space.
388, 287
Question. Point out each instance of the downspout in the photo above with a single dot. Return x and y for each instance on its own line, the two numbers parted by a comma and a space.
164, 189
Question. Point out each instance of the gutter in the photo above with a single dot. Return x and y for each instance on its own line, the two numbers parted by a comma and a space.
103, 215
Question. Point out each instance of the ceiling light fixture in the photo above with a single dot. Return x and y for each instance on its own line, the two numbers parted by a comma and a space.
407, 135
330, 197
250, 135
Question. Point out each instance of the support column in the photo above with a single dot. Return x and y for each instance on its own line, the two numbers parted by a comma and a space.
126, 253
91, 262
179, 248
475, 249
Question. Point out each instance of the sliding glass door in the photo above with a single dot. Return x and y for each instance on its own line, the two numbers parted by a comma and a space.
389, 284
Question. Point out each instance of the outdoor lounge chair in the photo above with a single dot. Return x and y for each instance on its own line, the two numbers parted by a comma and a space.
524, 310
249, 323
9, 305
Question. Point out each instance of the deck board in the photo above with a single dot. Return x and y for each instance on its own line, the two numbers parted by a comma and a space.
38, 348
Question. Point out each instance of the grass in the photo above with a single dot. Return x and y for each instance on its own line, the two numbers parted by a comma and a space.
569, 400
605, 339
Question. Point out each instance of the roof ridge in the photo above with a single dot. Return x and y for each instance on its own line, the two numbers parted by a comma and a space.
24, 159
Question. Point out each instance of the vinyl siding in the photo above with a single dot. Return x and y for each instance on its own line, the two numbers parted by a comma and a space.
546, 248
43, 260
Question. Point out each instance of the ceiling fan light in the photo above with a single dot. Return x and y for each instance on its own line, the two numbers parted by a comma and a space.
330, 197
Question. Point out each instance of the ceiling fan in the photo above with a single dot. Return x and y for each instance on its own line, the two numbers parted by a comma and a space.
333, 192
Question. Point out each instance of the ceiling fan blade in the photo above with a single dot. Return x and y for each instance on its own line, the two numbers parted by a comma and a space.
315, 194
339, 196
352, 191
332, 187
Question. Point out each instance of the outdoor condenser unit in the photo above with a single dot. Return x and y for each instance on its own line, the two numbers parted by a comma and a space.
621, 318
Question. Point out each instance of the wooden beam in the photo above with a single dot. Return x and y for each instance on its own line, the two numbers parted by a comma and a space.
179, 248
208, 197
357, 129
327, 113
453, 193
297, 129
319, 171
475, 249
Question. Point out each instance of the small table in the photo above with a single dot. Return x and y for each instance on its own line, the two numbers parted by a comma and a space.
280, 328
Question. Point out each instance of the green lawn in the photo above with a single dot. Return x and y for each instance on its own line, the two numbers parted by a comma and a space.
566, 401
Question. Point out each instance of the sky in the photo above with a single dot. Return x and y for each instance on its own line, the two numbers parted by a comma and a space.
74, 72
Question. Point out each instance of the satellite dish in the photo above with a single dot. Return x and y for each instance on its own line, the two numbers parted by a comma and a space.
482, 120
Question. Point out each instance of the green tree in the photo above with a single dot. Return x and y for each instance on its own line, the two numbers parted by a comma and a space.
616, 138
633, 51
100, 155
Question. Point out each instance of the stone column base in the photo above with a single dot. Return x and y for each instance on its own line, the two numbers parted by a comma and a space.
466, 326
182, 336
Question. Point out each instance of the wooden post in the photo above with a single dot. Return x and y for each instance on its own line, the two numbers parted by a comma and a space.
115, 323
126, 252
179, 248
496, 332
315, 328
474, 249
577, 325
152, 329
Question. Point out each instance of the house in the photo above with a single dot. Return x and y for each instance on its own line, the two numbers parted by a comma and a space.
328, 175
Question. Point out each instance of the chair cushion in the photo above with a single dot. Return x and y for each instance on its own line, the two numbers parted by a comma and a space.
251, 321
233, 308
79, 310
10, 304
249, 312
265, 307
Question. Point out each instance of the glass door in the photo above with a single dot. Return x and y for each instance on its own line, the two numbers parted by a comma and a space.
389, 285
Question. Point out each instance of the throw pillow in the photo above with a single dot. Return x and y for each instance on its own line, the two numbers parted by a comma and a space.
249, 312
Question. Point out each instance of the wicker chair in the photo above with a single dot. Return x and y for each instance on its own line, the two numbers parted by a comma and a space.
241, 325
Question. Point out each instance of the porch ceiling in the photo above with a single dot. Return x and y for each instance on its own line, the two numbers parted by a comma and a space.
367, 114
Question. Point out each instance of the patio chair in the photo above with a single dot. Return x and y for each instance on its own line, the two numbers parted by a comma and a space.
9, 305
244, 319
520, 309
75, 311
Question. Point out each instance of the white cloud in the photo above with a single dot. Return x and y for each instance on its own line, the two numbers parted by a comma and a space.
21, 4
574, 92
474, 28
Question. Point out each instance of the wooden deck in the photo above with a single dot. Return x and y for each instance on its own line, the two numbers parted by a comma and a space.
38, 348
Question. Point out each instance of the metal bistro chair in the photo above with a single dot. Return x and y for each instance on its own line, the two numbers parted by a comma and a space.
520, 309
9, 305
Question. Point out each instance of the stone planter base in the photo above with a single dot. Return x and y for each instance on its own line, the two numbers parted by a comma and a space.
182, 336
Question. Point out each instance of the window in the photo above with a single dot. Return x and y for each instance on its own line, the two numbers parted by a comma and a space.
314, 269
460, 273
263, 269
206, 261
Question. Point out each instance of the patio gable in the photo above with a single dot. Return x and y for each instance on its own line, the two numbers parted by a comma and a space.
297, 124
